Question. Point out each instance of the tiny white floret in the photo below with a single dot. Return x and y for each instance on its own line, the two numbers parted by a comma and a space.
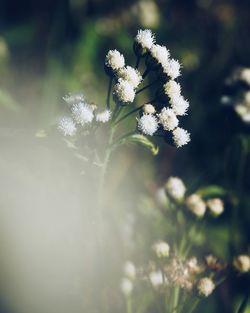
205, 286
181, 137
115, 60
179, 104
82, 113
168, 119
172, 88
131, 75
172, 69
215, 206
175, 188
66, 126
145, 38
103, 116
160, 54
124, 91
148, 124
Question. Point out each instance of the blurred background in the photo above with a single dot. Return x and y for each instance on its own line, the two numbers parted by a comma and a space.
49, 48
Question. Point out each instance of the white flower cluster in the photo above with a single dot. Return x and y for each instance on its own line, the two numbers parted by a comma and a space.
167, 118
176, 189
205, 286
161, 249
82, 114
242, 263
129, 271
243, 108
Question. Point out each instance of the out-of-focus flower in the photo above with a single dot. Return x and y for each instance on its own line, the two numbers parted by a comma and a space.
245, 75
115, 60
180, 137
82, 113
104, 116
196, 205
66, 126
131, 75
124, 91
130, 270
242, 263
73, 98
148, 124
148, 109
161, 197
205, 286
126, 286
168, 119
179, 275
156, 278
175, 188
145, 38
161, 249
215, 206
193, 266
148, 13
214, 264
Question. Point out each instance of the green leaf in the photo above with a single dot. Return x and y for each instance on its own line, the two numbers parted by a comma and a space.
243, 305
212, 191
142, 140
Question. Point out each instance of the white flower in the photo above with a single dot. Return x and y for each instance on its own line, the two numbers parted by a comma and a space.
205, 286
156, 278
126, 286
181, 137
196, 205
175, 188
145, 38
124, 91
130, 270
103, 116
172, 69
73, 98
148, 124
215, 206
115, 60
66, 126
161, 197
168, 119
161, 54
82, 113
131, 75
179, 104
245, 75
243, 111
172, 88
161, 249
148, 109
242, 263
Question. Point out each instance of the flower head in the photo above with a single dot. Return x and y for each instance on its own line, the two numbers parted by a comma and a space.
103, 116
181, 137
205, 286
148, 124
215, 206
124, 91
168, 119
196, 205
160, 54
245, 75
175, 188
66, 126
148, 108
145, 38
115, 60
130, 270
172, 69
161, 249
126, 286
242, 263
131, 75
82, 113
179, 104
172, 88
156, 278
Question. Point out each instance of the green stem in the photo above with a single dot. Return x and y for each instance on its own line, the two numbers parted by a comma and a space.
129, 304
145, 73
149, 85
175, 299
137, 62
129, 113
109, 92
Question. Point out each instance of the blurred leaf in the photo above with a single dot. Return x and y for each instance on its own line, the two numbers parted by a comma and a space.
243, 305
211, 191
144, 141
8, 102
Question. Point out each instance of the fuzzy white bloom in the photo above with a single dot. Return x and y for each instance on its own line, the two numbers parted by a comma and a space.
168, 119
73, 98
172, 69
148, 124
247, 98
245, 75
175, 188
148, 109
215, 206
242, 263
66, 126
103, 116
131, 75
196, 205
115, 60
126, 286
82, 113
130, 270
156, 278
181, 137
179, 104
124, 91
205, 286
161, 197
172, 88
243, 111
160, 54
145, 38
161, 249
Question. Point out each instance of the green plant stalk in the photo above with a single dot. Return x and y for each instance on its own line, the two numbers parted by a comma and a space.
129, 304
109, 93
128, 114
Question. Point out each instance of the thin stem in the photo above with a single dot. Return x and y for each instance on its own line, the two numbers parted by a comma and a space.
122, 138
175, 298
145, 73
109, 92
129, 304
149, 85
137, 62
129, 113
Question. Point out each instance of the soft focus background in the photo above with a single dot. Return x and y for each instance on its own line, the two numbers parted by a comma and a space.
49, 48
